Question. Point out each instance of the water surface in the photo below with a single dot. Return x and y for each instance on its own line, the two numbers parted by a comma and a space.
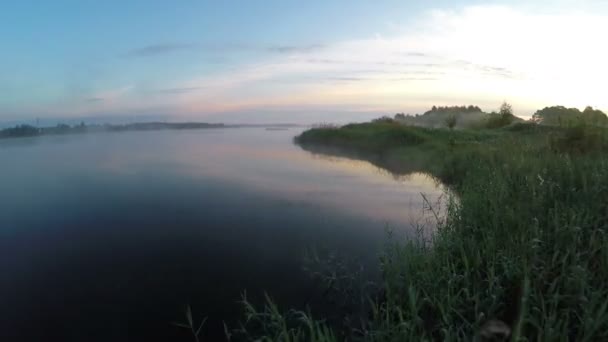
105, 237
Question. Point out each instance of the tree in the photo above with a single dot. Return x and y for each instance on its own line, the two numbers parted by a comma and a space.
503, 118
451, 121
506, 110
557, 115
594, 116
384, 119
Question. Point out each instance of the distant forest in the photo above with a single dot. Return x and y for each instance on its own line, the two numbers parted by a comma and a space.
473, 117
29, 130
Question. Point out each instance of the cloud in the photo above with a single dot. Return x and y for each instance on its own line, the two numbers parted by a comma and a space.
220, 48
159, 49
484, 54
182, 90
402, 79
416, 54
109, 97
295, 48
488, 70
324, 61
347, 79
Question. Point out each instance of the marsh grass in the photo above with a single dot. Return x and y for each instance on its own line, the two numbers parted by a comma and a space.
272, 324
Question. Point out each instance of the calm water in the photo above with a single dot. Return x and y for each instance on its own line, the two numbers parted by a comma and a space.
105, 237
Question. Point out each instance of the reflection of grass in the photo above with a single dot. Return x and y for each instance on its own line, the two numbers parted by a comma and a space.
194, 328
522, 253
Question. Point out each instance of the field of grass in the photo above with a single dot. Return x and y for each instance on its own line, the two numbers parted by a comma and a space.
522, 254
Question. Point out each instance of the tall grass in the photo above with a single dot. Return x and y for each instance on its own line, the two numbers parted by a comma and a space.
522, 254
525, 245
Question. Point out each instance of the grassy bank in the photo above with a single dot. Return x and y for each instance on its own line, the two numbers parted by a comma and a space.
522, 256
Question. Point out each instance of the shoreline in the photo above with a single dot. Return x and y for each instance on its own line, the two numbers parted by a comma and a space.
24, 131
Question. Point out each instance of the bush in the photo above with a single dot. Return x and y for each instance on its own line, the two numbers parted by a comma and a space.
579, 138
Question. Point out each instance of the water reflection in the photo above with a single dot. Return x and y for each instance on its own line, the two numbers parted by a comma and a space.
269, 163
110, 234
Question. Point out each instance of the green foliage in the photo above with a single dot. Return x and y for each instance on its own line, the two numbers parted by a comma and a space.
556, 115
505, 110
384, 119
270, 324
372, 137
194, 328
562, 116
579, 138
456, 116
497, 121
521, 219
527, 127
503, 118
451, 121
594, 117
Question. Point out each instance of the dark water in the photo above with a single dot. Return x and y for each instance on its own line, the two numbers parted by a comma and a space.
106, 237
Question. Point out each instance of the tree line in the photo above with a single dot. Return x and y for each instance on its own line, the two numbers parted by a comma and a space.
451, 116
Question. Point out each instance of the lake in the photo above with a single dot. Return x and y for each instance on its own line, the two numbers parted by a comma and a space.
107, 236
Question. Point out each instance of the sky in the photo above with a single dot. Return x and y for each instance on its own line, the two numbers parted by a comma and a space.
296, 61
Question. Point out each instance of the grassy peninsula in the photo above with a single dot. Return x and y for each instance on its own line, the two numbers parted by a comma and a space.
521, 255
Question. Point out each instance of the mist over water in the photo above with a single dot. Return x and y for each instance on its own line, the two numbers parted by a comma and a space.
107, 236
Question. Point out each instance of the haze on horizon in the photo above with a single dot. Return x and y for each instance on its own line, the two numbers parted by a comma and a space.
293, 61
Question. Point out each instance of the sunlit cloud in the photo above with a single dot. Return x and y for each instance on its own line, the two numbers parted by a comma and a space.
478, 55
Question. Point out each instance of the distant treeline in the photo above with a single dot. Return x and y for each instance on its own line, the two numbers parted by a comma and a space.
455, 109
473, 117
560, 115
29, 130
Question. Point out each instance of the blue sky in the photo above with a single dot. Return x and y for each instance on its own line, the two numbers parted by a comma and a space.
294, 61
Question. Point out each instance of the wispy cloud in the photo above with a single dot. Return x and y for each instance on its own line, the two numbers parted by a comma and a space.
296, 48
110, 96
348, 79
406, 79
220, 48
159, 49
415, 54
182, 90
324, 61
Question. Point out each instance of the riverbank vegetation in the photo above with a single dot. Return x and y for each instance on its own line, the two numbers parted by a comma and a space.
521, 254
